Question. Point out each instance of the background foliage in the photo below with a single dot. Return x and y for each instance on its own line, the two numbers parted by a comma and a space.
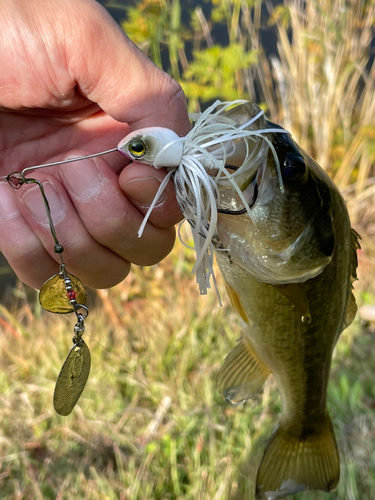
150, 424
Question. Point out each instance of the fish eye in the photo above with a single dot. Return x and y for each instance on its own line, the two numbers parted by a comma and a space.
137, 148
293, 167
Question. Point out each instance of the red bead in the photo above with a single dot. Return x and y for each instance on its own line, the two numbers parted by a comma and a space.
71, 295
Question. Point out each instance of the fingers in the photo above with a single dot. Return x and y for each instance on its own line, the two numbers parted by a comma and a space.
19, 243
140, 184
94, 221
86, 58
111, 218
27, 243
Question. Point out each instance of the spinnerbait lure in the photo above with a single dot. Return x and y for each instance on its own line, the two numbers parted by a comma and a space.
220, 146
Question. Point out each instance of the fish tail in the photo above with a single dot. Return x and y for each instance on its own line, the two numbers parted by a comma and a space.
291, 464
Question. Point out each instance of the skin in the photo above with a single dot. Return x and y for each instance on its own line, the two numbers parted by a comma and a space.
75, 84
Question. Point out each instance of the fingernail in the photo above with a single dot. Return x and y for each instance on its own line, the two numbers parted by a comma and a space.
82, 178
33, 200
8, 205
142, 191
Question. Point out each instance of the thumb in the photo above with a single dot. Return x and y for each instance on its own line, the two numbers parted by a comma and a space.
111, 71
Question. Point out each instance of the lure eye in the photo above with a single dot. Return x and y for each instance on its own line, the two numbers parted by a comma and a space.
293, 167
137, 148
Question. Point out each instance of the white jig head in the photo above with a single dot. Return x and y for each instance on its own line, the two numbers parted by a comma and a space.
157, 146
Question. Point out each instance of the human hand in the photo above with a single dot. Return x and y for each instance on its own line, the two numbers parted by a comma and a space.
74, 84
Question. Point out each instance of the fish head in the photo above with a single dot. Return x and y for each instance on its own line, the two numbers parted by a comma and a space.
289, 237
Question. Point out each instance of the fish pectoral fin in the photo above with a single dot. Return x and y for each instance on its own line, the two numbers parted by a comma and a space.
291, 464
242, 373
355, 245
295, 292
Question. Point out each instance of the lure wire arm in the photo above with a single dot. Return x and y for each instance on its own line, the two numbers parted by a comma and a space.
76, 368
70, 160
16, 180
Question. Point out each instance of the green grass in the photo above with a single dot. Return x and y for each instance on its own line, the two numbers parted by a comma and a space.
150, 424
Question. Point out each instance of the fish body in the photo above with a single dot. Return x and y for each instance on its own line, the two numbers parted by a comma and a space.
283, 242
289, 271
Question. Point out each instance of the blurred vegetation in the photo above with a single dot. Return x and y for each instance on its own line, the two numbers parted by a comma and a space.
150, 424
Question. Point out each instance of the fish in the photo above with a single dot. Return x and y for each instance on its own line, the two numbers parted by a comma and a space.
289, 272
282, 238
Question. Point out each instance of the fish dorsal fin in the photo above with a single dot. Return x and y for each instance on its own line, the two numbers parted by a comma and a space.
295, 292
242, 373
293, 463
355, 245
236, 303
351, 307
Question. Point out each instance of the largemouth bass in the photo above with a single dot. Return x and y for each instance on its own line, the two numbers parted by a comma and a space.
285, 247
289, 272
